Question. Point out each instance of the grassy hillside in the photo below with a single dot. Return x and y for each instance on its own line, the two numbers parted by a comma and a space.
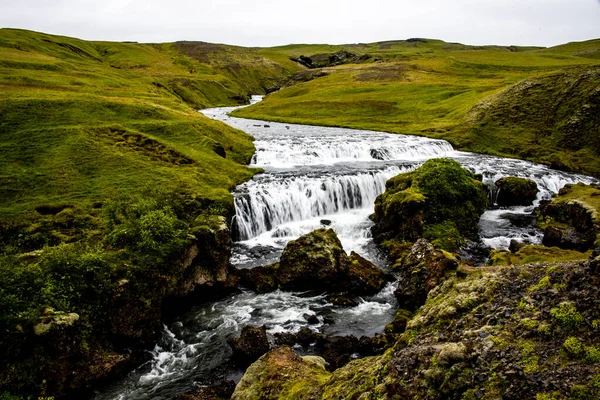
108, 177
465, 94
81, 119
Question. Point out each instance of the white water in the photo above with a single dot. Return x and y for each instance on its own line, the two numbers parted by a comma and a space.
313, 176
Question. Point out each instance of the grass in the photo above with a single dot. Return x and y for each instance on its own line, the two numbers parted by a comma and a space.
82, 120
534, 253
464, 94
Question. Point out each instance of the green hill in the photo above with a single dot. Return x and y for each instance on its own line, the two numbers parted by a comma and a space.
468, 95
109, 179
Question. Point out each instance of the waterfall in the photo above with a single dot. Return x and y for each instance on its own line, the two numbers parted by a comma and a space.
263, 204
292, 149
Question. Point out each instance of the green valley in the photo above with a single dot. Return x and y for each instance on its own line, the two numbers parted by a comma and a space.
531, 103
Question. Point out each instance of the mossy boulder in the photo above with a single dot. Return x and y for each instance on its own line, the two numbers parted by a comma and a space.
514, 191
420, 271
317, 261
440, 201
571, 220
282, 374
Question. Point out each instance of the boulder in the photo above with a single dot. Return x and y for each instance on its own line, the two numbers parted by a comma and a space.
338, 350
283, 374
317, 261
440, 201
53, 320
207, 270
514, 191
571, 219
515, 246
251, 344
420, 271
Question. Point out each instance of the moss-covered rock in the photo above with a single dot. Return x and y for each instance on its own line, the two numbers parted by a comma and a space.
317, 261
282, 374
420, 271
440, 201
514, 191
571, 220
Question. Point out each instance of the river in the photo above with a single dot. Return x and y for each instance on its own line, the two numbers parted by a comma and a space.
313, 177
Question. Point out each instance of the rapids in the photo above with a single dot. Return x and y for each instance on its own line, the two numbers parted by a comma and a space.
313, 177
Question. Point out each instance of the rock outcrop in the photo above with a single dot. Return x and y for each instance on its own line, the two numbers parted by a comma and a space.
571, 219
440, 201
514, 191
282, 374
526, 332
421, 271
317, 261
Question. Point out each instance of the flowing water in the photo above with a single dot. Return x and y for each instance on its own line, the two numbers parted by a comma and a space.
313, 177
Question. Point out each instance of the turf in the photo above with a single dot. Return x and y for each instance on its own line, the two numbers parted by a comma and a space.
83, 120
437, 89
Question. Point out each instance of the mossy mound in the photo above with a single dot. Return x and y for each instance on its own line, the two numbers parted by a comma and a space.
282, 374
317, 261
440, 201
514, 191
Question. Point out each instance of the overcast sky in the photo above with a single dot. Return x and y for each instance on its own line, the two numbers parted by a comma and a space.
277, 22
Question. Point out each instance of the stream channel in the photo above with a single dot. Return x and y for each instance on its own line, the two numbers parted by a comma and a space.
313, 177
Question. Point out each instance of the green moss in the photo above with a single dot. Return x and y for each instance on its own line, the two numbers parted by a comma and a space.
566, 316
440, 201
592, 354
534, 253
574, 347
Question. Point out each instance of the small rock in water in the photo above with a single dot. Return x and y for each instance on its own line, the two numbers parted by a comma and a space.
312, 319
326, 222
267, 126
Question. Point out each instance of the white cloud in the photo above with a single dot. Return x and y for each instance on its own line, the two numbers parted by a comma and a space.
271, 22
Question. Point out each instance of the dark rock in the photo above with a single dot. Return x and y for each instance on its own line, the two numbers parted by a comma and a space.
515, 191
570, 223
420, 271
325, 222
342, 299
305, 336
266, 126
219, 149
317, 261
338, 350
220, 391
251, 344
515, 246
311, 319
260, 279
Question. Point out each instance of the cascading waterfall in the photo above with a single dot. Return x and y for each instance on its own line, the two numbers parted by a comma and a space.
263, 204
